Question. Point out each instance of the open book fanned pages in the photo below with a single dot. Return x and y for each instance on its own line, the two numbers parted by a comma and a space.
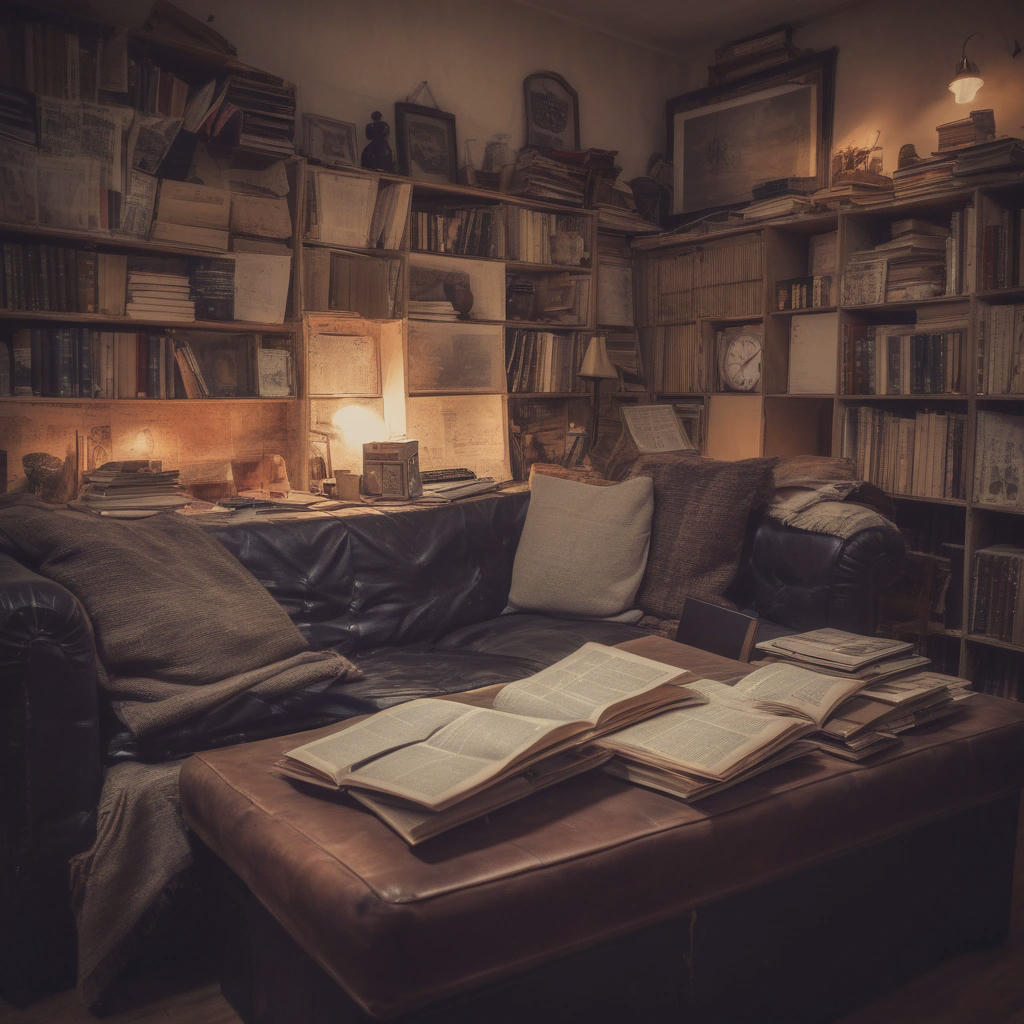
434, 753
834, 648
741, 730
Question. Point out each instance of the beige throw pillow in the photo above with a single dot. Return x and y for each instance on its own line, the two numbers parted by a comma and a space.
583, 550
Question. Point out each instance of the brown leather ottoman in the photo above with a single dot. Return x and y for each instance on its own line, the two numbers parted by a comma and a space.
797, 893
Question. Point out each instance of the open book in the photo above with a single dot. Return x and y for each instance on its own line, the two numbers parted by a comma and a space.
434, 753
743, 729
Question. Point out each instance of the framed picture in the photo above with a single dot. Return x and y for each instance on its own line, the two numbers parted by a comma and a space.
774, 124
328, 141
425, 138
552, 112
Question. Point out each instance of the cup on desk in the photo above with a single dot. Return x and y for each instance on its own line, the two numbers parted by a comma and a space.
346, 485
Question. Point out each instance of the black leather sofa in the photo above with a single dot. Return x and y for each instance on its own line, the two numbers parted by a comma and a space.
413, 595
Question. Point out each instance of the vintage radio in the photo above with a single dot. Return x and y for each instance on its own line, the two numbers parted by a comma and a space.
391, 469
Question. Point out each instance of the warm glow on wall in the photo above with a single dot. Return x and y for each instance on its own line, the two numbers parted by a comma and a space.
358, 425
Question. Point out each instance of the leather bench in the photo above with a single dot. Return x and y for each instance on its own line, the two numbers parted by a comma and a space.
792, 896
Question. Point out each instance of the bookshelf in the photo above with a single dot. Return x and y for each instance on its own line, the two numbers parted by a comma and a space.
916, 374
127, 328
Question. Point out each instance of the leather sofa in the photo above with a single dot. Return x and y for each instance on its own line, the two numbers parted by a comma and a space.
413, 595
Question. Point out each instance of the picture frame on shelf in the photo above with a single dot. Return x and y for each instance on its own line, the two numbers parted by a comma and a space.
725, 139
425, 138
328, 141
552, 109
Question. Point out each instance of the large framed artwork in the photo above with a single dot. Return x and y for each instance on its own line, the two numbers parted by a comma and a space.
775, 124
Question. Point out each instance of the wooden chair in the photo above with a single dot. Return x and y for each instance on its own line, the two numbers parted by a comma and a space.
717, 629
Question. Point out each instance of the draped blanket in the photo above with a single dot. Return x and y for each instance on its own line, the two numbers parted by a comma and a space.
180, 626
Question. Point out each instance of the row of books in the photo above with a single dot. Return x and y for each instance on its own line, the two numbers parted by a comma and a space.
1002, 246
648, 722
679, 359
1000, 340
538, 236
352, 282
542, 361
81, 362
804, 292
996, 591
920, 455
457, 231
718, 280
895, 359
62, 279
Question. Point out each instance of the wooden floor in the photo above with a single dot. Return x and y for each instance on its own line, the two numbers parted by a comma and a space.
978, 988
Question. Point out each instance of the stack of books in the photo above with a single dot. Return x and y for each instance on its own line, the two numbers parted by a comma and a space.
265, 121
544, 177
978, 126
131, 490
927, 176
157, 296
895, 691
998, 157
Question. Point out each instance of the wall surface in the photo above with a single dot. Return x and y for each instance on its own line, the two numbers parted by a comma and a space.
351, 57
896, 58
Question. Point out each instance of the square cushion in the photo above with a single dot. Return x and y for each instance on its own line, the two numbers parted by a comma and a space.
583, 548
702, 508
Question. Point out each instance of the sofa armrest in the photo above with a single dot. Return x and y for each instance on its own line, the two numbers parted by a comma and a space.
50, 773
807, 580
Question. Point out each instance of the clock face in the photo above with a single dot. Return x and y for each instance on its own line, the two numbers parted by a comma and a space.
740, 362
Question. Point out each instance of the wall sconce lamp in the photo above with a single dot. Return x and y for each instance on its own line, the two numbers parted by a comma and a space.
967, 80
597, 367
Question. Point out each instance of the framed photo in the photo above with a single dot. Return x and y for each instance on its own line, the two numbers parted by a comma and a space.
425, 138
774, 124
552, 112
328, 141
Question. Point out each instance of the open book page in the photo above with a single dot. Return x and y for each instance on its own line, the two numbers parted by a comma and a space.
714, 740
594, 684
655, 428
461, 757
790, 689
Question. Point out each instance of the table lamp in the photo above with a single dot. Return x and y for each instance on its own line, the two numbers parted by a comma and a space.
597, 367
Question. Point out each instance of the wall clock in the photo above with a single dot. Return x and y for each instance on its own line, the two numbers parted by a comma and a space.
739, 358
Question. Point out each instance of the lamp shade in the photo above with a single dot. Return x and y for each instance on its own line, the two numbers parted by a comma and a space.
967, 80
596, 363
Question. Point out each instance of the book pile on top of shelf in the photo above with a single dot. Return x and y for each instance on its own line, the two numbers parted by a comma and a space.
542, 176
262, 107
997, 582
920, 455
131, 490
1000, 337
897, 691
978, 126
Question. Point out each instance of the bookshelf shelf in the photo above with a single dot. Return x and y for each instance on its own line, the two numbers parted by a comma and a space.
123, 322
802, 312
990, 641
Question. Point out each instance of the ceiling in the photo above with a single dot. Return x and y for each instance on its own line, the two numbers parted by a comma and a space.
676, 26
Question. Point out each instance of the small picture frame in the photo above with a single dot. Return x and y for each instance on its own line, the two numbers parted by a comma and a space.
425, 138
552, 112
328, 141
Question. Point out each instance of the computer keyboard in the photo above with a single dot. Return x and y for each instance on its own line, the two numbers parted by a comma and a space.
443, 476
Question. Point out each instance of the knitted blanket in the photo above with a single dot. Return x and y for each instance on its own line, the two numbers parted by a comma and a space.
180, 626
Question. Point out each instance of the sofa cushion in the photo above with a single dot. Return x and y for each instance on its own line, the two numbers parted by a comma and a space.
583, 548
702, 508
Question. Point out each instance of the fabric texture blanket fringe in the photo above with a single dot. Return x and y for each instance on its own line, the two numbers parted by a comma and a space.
826, 508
